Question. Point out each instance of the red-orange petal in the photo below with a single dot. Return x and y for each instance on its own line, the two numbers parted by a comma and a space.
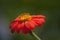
18, 28
18, 18
30, 24
13, 24
37, 16
39, 21
24, 29
12, 30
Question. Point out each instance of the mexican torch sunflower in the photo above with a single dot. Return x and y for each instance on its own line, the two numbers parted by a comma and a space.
26, 22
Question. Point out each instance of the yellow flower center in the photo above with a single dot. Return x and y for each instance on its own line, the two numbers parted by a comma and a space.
25, 16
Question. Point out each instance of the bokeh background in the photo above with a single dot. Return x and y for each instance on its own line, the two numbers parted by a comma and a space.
50, 30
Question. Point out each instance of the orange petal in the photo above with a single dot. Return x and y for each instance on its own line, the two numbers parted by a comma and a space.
30, 24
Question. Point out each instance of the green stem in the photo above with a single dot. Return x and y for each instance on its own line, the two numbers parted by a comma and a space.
33, 34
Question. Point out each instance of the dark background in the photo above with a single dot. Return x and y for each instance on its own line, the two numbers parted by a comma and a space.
50, 30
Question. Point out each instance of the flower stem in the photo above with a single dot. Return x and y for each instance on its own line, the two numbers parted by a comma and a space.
33, 34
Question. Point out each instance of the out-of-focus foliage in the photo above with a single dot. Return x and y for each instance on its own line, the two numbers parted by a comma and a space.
50, 30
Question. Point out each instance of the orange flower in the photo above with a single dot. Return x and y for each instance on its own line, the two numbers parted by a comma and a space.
26, 22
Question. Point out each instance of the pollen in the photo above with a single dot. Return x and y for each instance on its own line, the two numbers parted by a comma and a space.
25, 16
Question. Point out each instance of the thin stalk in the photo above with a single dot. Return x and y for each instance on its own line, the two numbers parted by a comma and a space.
33, 34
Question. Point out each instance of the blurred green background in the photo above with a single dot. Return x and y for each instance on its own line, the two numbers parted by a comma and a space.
50, 30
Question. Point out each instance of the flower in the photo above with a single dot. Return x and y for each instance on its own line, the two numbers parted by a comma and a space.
26, 22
